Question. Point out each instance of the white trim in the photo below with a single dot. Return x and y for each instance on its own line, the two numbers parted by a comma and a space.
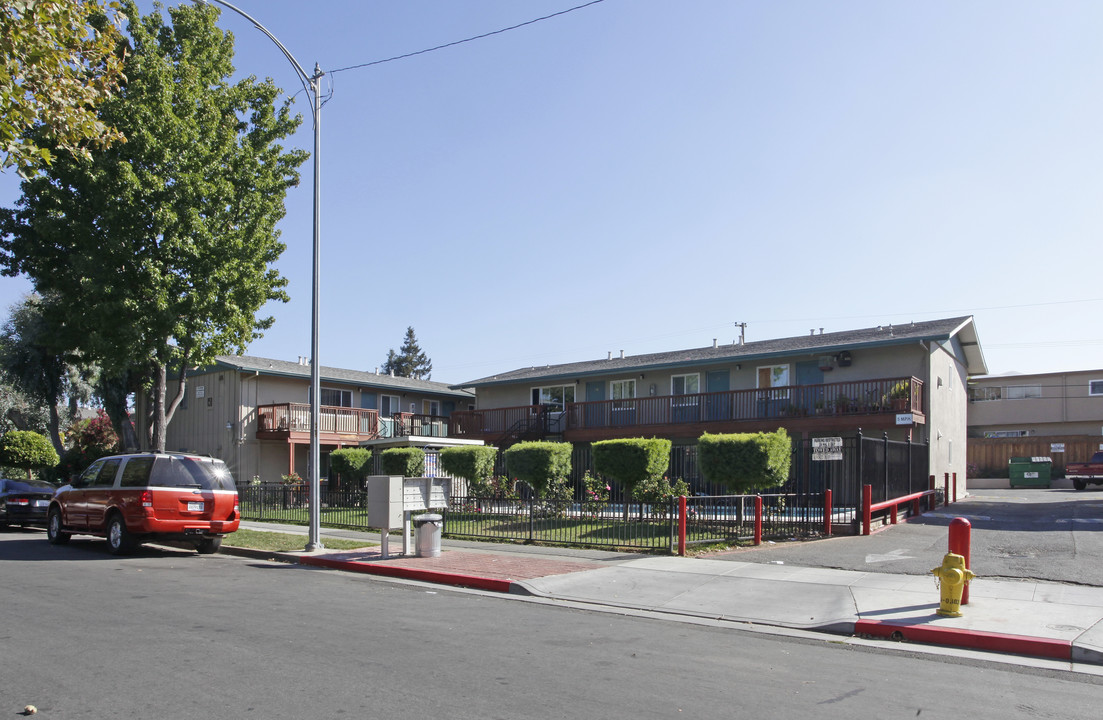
686, 376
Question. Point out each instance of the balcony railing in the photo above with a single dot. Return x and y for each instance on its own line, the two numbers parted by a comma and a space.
282, 419
865, 397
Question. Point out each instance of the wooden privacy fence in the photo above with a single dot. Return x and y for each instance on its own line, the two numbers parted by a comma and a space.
988, 457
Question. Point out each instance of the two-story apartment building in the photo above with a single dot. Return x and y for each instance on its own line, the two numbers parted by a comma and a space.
1056, 414
254, 413
902, 380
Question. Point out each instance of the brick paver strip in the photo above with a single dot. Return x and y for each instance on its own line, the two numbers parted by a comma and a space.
489, 571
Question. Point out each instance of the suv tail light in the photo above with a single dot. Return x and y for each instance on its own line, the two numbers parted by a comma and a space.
24, 501
147, 498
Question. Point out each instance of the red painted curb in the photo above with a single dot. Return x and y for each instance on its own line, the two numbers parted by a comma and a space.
975, 639
433, 576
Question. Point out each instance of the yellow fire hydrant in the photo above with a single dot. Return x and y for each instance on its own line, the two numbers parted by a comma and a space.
952, 577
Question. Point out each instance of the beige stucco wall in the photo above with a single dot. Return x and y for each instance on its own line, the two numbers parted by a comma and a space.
947, 398
1064, 408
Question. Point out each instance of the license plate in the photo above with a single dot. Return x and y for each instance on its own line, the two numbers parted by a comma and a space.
195, 507
42, 503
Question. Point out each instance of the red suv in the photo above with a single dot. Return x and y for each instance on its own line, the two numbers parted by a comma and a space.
130, 499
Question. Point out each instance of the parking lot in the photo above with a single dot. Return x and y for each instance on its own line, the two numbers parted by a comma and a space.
1039, 534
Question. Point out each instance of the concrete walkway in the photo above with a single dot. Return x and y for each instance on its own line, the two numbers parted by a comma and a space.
1035, 619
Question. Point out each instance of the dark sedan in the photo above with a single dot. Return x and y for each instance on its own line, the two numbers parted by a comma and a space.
24, 502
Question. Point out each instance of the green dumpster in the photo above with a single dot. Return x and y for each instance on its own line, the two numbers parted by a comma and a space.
1029, 471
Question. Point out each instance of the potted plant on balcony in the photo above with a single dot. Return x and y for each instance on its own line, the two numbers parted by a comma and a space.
900, 394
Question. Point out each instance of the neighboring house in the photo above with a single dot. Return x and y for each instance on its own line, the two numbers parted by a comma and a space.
895, 379
1057, 415
254, 413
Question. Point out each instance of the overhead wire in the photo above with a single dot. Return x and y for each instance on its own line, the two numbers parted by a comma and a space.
466, 40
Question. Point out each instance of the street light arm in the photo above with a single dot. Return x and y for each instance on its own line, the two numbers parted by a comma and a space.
309, 82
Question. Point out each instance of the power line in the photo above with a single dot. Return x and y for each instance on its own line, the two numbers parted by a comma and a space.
466, 40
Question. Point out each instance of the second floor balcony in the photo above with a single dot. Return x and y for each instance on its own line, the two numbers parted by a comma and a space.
826, 407
283, 421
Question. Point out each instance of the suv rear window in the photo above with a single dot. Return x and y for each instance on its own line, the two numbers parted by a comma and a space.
191, 473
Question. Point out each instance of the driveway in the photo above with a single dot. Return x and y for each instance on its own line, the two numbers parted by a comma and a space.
1054, 535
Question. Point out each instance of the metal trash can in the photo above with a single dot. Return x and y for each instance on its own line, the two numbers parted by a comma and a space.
427, 528
1030, 471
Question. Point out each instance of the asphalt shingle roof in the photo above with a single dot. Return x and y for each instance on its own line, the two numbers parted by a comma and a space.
801, 344
268, 366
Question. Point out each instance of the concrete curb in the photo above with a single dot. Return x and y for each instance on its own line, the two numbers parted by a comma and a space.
972, 639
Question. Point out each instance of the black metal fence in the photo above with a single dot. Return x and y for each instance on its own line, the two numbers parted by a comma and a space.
796, 510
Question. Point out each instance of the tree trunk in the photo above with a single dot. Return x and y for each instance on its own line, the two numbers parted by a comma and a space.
54, 425
158, 424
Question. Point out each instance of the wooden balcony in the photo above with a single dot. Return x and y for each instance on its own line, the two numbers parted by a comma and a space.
291, 421
798, 408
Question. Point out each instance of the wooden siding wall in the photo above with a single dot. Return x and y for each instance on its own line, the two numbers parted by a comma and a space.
991, 455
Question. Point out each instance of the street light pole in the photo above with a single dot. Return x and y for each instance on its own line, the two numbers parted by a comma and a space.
312, 84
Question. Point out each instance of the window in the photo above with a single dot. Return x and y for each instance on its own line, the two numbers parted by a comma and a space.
622, 390
1006, 433
1095, 387
556, 396
336, 398
1022, 392
389, 405
685, 384
984, 394
774, 376
430, 407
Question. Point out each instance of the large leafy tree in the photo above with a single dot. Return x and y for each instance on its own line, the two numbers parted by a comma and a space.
163, 248
34, 359
58, 59
410, 361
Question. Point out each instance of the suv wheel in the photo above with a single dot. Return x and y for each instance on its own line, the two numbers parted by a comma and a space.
119, 539
54, 534
208, 546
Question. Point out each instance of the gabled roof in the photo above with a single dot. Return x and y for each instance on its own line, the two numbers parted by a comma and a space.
266, 366
881, 336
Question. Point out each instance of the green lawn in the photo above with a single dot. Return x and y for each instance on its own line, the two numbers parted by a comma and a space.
285, 542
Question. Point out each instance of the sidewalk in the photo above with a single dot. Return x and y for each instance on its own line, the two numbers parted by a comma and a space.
1035, 619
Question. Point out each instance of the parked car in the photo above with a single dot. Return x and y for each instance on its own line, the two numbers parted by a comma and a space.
24, 502
130, 499
1087, 473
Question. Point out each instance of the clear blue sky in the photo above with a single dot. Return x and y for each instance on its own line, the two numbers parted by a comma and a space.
639, 175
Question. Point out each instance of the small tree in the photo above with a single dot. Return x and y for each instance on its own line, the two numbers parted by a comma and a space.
541, 465
410, 361
631, 462
407, 462
475, 464
348, 464
745, 462
27, 450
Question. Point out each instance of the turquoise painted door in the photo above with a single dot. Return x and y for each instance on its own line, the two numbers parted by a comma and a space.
718, 407
595, 414
809, 373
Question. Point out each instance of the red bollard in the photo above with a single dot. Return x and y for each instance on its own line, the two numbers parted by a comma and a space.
955, 494
946, 493
682, 525
758, 520
827, 512
867, 509
961, 531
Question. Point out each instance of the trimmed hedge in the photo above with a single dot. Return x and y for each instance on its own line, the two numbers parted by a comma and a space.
407, 462
473, 463
349, 464
539, 464
745, 461
27, 450
632, 461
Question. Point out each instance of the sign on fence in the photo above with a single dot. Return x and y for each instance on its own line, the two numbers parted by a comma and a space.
829, 448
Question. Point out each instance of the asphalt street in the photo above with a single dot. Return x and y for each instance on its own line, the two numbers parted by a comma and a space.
172, 634
1054, 535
